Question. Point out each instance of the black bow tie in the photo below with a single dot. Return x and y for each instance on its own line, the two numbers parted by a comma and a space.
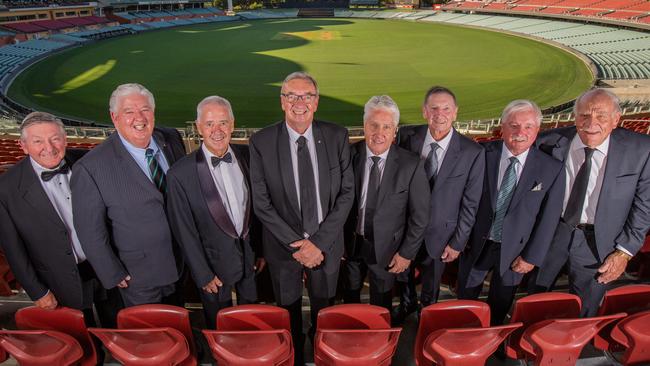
49, 174
226, 159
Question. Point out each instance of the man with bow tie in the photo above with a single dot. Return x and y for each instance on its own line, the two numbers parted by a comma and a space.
518, 212
210, 212
36, 227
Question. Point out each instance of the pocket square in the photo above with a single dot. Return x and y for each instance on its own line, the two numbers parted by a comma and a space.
537, 187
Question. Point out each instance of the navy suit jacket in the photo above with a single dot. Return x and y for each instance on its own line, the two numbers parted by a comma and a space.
120, 215
533, 214
456, 193
623, 210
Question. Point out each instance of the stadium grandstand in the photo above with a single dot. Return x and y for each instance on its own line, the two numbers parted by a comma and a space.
612, 36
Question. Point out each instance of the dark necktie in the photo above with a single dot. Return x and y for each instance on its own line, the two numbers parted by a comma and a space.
47, 175
371, 199
157, 173
431, 166
308, 207
576, 201
226, 159
504, 197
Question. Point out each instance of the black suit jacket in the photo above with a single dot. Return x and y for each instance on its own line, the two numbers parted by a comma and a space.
623, 210
35, 239
532, 216
201, 225
120, 215
402, 204
456, 193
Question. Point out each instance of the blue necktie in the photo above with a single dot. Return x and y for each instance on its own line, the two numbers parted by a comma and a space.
503, 200
157, 173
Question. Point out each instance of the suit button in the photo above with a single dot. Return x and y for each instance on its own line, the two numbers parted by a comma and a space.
68, 252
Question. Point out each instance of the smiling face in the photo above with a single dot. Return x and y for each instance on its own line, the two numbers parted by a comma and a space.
519, 131
299, 113
596, 118
216, 127
134, 119
379, 129
45, 143
440, 111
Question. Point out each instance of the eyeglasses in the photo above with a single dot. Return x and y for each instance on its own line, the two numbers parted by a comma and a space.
293, 98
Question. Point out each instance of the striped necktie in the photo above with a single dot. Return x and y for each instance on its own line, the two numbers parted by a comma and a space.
503, 199
157, 173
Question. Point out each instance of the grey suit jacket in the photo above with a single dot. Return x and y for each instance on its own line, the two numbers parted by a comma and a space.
120, 215
532, 216
456, 193
623, 210
402, 204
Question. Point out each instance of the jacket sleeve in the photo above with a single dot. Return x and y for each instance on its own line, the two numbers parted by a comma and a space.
469, 203
418, 216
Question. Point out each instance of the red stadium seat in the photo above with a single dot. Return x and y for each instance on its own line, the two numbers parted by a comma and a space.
144, 347
354, 335
628, 299
558, 342
64, 320
535, 308
253, 317
159, 316
465, 346
449, 314
41, 347
633, 333
251, 347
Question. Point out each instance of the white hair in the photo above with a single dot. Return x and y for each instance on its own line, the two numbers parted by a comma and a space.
520, 105
128, 89
302, 76
616, 102
216, 100
381, 102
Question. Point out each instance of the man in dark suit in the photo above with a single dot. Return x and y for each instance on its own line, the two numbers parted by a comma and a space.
210, 212
517, 214
303, 188
387, 221
36, 225
606, 211
119, 211
455, 166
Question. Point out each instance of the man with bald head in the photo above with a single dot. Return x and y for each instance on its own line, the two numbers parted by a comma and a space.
606, 208
518, 212
119, 210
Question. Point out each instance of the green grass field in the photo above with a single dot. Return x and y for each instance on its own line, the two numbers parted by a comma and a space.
352, 60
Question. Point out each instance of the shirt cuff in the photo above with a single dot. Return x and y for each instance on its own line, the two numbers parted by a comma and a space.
45, 294
618, 247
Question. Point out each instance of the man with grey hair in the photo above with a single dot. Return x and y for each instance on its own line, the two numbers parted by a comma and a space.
210, 212
606, 207
36, 226
120, 211
303, 188
386, 225
518, 212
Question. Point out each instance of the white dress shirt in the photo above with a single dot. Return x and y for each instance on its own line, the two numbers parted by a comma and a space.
57, 190
229, 180
504, 162
293, 147
442, 149
364, 185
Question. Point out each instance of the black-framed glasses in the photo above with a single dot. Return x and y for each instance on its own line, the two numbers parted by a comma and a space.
293, 98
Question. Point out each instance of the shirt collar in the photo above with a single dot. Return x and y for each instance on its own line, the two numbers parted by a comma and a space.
38, 168
208, 155
370, 154
136, 151
506, 154
293, 135
577, 144
443, 144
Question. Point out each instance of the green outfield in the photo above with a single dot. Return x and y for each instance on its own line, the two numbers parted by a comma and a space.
352, 59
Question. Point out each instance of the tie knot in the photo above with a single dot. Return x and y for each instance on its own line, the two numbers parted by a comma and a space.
226, 159
589, 152
434, 146
302, 141
148, 153
513, 160
375, 159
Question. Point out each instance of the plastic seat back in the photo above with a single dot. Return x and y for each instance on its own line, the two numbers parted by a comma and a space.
465, 346
144, 347
449, 314
355, 347
253, 317
64, 320
560, 341
535, 308
251, 347
159, 316
629, 299
633, 333
41, 347
354, 316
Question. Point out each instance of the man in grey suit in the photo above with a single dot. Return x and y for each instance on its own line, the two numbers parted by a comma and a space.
519, 209
455, 166
119, 190
606, 210
386, 224
303, 188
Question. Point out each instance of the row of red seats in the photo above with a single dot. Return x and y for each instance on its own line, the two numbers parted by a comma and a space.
544, 329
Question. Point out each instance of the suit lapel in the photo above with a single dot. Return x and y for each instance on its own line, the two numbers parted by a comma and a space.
527, 177
243, 166
416, 142
286, 169
389, 175
323, 167
131, 167
212, 197
359, 167
34, 194
164, 147
615, 161
492, 156
450, 160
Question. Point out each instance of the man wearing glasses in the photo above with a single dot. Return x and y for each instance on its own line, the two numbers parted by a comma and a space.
303, 188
